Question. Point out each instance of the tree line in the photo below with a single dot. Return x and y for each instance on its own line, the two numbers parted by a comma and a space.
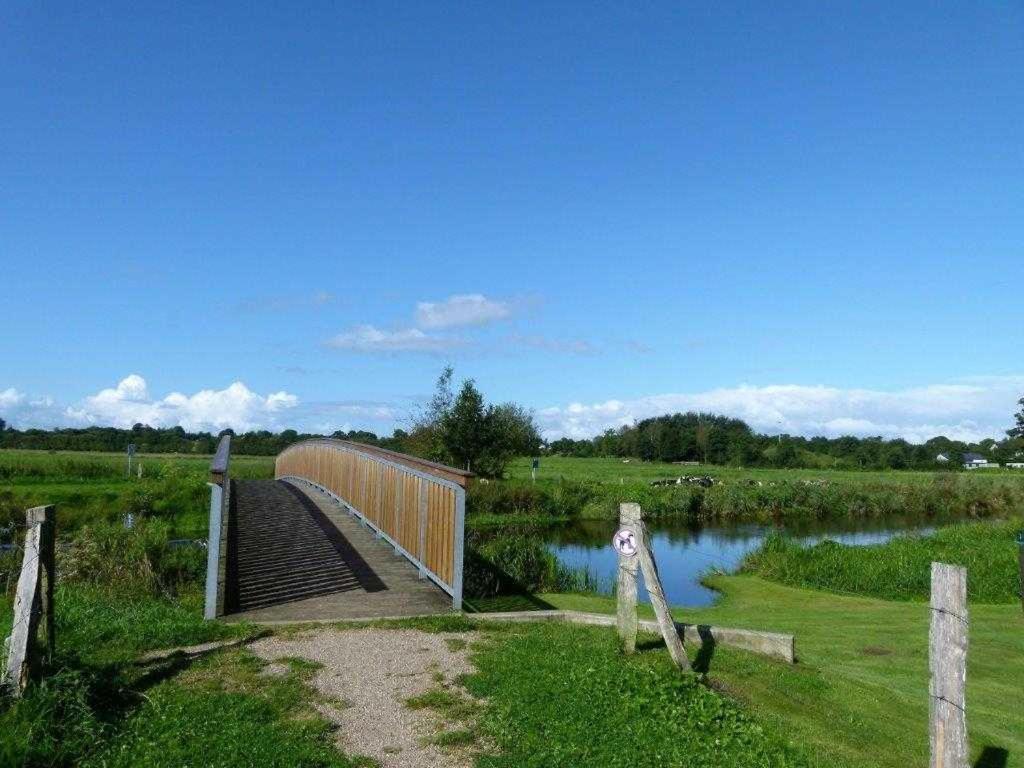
713, 439
462, 429
455, 428
148, 439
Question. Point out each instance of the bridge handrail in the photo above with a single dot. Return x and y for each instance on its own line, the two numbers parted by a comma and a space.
458, 476
418, 506
219, 465
217, 540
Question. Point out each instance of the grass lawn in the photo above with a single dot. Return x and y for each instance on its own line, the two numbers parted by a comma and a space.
220, 711
557, 695
859, 694
563, 696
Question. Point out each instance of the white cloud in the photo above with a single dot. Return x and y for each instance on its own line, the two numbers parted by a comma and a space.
235, 406
971, 410
17, 408
460, 311
129, 403
369, 339
10, 398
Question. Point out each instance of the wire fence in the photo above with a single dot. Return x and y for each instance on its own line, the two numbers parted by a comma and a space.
28, 574
12, 555
30, 616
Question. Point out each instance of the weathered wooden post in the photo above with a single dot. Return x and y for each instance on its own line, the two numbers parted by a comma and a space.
33, 601
947, 659
45, 517
629, 566
657, 594
632, 537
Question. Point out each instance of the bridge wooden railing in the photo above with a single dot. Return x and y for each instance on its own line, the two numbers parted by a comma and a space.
418, 506
217, 541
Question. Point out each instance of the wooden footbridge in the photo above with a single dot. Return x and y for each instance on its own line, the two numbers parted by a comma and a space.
344, 531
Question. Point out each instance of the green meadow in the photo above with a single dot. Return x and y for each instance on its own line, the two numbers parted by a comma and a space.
543, 695
94, 487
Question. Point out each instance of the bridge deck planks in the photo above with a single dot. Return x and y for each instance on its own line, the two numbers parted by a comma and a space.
295, 555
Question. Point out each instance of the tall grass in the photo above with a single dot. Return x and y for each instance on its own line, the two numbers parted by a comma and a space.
517, 562
18, 466
901, 568
177, 494
946, 495
119, 593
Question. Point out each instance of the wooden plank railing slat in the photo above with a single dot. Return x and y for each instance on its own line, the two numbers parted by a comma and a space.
417, 505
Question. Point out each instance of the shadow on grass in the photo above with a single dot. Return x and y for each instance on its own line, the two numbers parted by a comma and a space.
701, 663
504, 593
115, 689
518, 601
992, 757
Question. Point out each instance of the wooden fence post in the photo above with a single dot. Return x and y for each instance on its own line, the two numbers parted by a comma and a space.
947, 661
629, 565
32, 602
46, 518
635, 549
657, 594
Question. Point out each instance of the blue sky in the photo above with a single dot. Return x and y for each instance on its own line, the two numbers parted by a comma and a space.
809, 217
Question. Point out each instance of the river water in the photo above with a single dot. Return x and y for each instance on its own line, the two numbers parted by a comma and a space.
685, 553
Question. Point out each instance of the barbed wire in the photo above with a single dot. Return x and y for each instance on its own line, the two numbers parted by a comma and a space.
11, 582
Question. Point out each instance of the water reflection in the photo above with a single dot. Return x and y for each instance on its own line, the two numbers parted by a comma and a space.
686, 552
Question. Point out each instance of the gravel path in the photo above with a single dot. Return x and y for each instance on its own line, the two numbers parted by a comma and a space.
368, 674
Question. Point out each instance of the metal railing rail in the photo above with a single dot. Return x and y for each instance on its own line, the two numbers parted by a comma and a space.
417, 506
217, 542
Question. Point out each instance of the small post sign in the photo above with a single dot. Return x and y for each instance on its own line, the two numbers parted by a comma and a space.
131, 452
624, 542
636, 554
533, 469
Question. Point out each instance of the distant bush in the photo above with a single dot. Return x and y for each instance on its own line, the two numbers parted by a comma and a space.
901, 568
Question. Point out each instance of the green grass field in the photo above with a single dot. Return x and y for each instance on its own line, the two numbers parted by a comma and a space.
92, 487
23, 466
859, 694
593, 488
88, 487
614, 470
556, 695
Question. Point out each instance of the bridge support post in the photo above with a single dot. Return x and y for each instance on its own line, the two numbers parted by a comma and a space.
421, 555
460, 546
213, 551
216, 543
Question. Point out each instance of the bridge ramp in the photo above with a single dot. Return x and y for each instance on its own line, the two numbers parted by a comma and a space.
294, 554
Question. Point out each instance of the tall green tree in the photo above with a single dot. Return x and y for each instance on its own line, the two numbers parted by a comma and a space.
1018, 430
466, 428
425, 438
